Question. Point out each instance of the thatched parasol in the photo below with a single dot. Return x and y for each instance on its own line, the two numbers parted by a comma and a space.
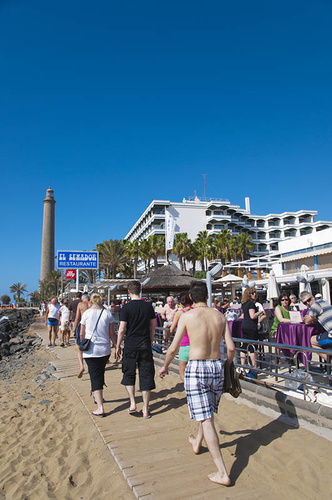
166, 279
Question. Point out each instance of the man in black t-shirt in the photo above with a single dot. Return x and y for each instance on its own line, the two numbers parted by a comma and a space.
137, 321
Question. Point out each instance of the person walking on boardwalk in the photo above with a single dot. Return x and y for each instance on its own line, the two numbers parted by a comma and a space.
52, 320
204, 374
138, 322
97, 324
80, 310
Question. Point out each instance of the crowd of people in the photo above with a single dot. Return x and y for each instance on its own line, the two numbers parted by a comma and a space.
199, 334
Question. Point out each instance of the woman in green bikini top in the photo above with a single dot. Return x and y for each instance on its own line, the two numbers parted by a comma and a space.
281, 313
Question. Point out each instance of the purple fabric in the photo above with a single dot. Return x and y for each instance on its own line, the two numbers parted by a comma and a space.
159, 321
297, 335
235, 328
304, 312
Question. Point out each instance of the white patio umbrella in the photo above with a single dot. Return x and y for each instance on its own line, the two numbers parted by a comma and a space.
230, 279
273, 289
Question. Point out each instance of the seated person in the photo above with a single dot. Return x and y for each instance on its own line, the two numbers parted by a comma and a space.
169, 312
262, 317
225, 305
294, 306
320, 311
281, 313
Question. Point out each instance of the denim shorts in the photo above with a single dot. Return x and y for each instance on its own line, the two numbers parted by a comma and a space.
52, 322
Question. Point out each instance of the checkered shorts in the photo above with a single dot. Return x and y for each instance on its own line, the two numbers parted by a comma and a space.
203, 383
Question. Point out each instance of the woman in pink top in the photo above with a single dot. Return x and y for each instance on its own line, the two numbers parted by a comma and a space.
186, 304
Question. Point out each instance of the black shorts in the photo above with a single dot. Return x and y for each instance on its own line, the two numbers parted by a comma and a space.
249, 335
143, 360
96, 367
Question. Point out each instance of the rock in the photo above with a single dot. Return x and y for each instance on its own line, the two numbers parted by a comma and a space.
4, 337
27, 395
44, 402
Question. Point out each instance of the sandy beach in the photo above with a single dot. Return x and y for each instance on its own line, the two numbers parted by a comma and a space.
49, 446
51, 449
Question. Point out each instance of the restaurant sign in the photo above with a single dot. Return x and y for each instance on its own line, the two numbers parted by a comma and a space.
77, 260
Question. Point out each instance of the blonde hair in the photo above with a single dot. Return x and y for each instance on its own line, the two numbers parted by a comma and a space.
246, 294
96, 299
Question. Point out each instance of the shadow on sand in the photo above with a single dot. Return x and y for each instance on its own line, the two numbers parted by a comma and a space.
249, 444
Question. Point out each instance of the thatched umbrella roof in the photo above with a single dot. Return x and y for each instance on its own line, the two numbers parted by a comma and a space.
165, 279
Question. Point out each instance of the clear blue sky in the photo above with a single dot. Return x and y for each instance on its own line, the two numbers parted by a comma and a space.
116, 103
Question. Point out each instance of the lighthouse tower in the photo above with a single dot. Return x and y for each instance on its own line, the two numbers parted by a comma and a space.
47, 253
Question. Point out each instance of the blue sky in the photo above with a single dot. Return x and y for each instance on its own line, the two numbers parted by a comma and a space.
116, 103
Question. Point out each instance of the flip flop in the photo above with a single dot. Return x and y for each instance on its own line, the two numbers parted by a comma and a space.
101, 415
148, 416
132, 412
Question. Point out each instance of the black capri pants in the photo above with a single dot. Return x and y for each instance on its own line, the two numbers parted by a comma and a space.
249, 334
142, 359
96, 367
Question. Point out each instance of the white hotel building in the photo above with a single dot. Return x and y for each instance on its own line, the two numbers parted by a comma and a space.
194, 215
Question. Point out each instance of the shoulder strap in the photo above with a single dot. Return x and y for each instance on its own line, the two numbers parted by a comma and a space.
95, 328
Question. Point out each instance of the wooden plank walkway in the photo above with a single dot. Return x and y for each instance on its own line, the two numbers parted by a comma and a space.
154, 454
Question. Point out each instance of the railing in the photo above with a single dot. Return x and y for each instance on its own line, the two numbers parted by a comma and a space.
276, 370
315, 374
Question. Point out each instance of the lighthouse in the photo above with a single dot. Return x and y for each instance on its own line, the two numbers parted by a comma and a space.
47, 253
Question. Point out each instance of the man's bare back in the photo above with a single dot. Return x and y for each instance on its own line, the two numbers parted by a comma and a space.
205, 327
81, 308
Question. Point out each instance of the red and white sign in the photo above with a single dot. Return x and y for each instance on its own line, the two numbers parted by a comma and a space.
70, 274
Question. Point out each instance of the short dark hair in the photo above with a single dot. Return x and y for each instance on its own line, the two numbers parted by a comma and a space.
134, 287
185, 300
78, 295
198, 291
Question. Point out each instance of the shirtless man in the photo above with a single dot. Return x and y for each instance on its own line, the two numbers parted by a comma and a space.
204, 375
81, 308
169, 311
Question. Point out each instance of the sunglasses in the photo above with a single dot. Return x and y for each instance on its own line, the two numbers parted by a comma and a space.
282, 300
306, 302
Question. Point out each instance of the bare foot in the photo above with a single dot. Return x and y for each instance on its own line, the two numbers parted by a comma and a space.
215, 477
80, 373
193, 442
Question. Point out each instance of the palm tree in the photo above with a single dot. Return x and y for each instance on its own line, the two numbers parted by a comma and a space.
35, 296
145, 254
157, 242
244, 245
111, 256
192, 255
221, 244
89, 276
181, 242
19, 290
132, 251
203, 242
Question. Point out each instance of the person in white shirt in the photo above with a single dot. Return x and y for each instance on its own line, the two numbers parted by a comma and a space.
52, 320
64, 314
97, 324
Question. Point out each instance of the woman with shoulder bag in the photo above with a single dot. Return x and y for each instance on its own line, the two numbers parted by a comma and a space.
97, 325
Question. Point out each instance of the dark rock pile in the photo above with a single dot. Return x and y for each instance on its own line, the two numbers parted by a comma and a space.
13, 337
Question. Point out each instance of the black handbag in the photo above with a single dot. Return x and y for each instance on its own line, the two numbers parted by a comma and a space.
231, 380
85, 343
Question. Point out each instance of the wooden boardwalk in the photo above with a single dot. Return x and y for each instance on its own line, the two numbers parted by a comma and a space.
154, 455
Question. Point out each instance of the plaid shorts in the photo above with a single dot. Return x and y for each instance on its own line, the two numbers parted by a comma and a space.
203, 383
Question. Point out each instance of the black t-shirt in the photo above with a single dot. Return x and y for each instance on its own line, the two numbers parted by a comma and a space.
248, 323
73, 308
137, 314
